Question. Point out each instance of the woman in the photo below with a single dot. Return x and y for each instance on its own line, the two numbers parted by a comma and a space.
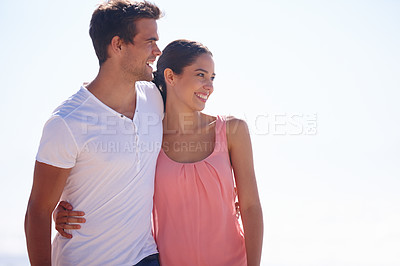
195, 219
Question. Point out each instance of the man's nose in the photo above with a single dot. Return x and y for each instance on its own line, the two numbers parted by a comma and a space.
157, 51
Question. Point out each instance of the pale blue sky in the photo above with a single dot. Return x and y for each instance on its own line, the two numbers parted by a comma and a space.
330, 197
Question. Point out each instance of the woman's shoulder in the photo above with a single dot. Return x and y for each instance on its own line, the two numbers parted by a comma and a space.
208, 119
235, 125
236, 130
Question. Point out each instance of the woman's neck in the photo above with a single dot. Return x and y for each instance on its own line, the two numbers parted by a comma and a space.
180, 120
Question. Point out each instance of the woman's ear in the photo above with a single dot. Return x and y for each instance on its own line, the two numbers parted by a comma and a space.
169, 77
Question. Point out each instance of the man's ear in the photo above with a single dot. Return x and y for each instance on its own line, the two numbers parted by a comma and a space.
115, 46
169, 77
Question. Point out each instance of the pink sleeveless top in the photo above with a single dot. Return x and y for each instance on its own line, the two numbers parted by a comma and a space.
194, 218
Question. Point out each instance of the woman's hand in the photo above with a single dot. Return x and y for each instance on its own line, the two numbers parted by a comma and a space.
65, 218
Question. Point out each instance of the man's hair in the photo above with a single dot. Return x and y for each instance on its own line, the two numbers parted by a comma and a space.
117, 18
177, 55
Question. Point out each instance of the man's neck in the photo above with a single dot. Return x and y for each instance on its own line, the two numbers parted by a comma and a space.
115, 91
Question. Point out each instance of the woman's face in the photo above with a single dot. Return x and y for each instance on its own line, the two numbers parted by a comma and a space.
195, 84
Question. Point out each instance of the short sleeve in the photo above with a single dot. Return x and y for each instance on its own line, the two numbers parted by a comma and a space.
57, 145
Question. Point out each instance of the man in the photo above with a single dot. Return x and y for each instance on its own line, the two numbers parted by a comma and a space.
99, 148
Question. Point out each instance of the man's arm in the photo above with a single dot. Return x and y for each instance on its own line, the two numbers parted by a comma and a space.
48, 184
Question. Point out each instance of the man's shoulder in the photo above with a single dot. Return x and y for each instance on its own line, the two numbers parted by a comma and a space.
149, 90
146, 86
150, 98
71, 104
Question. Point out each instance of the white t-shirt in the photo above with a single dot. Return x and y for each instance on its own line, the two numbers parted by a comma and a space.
113, 161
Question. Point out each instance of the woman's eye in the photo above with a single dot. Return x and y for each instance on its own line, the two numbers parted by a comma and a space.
201, 75
212, 78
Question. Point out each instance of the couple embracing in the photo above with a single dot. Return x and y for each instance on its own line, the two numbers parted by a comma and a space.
169, 200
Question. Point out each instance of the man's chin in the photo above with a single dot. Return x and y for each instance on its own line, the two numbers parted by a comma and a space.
146, 77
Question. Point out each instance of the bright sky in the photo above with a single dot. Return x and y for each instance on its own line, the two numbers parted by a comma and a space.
317, 81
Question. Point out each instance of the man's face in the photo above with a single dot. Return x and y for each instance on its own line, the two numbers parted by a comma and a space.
140, 55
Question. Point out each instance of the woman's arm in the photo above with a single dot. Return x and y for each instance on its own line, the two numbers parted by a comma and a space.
65, 218
241, 155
